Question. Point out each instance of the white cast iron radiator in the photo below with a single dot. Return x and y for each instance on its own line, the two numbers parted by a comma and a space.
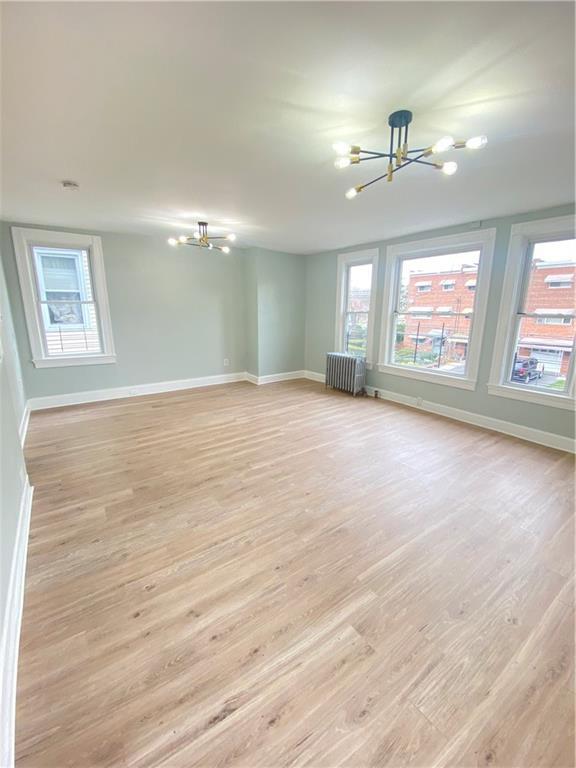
345, 372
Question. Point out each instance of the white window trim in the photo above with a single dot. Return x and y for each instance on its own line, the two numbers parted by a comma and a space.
482, 240
23, 239
368, 256
522, 237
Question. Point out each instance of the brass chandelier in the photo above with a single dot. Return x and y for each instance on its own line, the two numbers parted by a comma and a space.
201, 239
399, 156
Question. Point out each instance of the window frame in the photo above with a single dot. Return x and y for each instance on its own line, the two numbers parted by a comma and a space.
345, 261
25, 239
523, 237
482, 240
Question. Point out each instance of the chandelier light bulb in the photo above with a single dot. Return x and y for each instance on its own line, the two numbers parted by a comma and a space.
231, 237
210, 246
342, 148
443, 145
172, 241
197, 235
477, 142
342, 162
449, 169
225, 249
183, 239
400, 154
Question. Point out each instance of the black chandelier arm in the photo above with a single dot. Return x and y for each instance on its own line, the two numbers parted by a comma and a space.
421, 150
371, 152
378, 178
206, 245
420, 162
376, 157
409, 161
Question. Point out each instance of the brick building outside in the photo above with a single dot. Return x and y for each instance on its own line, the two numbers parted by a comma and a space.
550, 340
441, 339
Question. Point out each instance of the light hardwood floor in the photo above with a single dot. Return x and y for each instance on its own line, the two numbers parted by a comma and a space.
286, 576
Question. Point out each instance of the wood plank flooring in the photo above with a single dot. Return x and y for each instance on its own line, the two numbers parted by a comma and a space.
287, 576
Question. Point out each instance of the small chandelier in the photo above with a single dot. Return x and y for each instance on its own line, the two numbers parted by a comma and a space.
399, 156
201, 240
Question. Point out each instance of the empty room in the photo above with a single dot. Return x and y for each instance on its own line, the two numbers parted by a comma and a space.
287, 312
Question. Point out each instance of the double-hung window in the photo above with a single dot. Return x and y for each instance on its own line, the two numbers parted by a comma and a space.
357, 275
435, 334
65, 299
534, 350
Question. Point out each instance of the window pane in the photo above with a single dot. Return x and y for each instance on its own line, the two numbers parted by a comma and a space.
67, 309
551, 278
64, 307
59, 273
357, 308
359, 283
437, 342
436, 305
356, 333
545, 337
542, 360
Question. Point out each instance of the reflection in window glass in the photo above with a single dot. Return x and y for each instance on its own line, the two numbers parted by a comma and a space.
544, 339
359, 282
433, 330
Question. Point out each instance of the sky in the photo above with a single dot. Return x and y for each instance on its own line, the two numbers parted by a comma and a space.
434, 264
560, 250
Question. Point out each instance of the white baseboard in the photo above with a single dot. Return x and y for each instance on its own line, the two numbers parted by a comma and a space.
548, 439
487, 422
10, 639
274, 377
137, 390
313, 376
23, 429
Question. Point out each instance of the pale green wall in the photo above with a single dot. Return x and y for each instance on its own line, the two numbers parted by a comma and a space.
177, 313
280, 296
251, 311
321, 317
12, 467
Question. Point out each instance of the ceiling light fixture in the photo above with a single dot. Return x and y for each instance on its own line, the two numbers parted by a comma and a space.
200, 238
399, 156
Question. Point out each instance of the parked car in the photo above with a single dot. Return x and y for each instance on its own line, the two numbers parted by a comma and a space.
526, 369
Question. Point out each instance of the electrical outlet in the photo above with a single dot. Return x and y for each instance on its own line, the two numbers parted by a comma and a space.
226, 362
419, 402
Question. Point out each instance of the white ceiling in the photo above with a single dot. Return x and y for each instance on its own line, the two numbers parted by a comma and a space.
166, 112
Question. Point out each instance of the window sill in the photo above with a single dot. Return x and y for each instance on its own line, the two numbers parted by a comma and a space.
433, 378
58, 362
531, 396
